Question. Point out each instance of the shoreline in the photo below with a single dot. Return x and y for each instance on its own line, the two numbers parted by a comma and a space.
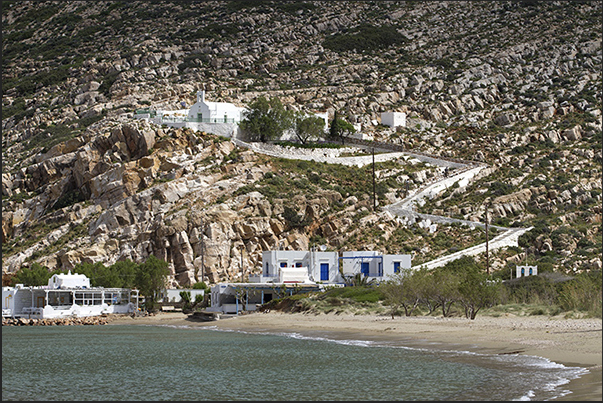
571, 342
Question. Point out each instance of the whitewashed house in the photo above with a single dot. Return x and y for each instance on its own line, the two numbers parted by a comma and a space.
393, 119
62, 280
66, 295
285, 272
373, 264
289, 266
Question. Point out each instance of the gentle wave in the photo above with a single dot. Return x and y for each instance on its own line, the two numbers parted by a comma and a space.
519, 360
550, 376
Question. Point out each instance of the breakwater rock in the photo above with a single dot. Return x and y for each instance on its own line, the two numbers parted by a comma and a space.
89, 320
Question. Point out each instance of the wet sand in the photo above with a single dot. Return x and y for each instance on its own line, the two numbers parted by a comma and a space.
572, 342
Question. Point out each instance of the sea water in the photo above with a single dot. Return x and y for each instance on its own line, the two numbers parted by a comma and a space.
144, 362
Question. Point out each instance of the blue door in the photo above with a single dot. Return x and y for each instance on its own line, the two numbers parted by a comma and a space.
324, 272
396, 267
364, 268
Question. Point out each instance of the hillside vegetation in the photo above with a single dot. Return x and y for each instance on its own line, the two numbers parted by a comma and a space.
515, 85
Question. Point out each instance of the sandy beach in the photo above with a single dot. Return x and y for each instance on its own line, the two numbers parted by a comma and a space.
572, 342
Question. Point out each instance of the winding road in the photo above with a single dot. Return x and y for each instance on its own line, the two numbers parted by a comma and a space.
463, 173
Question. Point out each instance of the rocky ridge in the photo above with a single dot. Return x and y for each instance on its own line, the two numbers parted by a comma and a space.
516, 85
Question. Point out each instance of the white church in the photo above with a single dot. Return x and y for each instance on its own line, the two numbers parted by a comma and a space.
219, 118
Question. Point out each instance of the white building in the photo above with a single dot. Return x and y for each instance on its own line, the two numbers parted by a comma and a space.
289, 266
393, 119
523, 271
373, 264
214, 112
62, 280
66, 295
285, 272
219, 118
232, 298
172, 295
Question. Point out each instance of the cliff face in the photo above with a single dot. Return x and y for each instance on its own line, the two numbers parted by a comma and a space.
516, 85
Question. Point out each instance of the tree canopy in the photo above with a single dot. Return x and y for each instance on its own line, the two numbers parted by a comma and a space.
266, 120
308, 127
151, 278
32, 276
339, 128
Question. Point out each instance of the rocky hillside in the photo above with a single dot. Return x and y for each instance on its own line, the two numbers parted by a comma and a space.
513, 84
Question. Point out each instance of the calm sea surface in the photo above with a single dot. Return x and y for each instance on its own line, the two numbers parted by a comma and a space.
134, 362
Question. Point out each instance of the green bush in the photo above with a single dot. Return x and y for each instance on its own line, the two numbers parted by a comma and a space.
201, 286
357, 294
68, 199
106, 84
583, 293
364, 38
35, 275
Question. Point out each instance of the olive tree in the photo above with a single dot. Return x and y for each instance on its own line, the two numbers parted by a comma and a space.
445, 289
426, 287
308, 127
266, 120
474, 289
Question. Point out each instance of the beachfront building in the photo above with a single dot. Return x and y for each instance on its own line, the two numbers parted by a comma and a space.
233, 298
284, 272
287, 272
66, 295
373, 264
172, 295
393, 119
219, 118
291, 266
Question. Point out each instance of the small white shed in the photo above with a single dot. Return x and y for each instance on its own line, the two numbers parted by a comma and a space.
523, 271
68, 280
393, 119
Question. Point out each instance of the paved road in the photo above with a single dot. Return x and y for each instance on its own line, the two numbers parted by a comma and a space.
463, 173
507, 238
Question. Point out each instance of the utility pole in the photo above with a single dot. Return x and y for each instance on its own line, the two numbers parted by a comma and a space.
242, 269
374, 193
202, 251
487, 255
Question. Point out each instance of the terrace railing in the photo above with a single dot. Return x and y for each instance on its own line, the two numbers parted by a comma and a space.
145, 111
174, 119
